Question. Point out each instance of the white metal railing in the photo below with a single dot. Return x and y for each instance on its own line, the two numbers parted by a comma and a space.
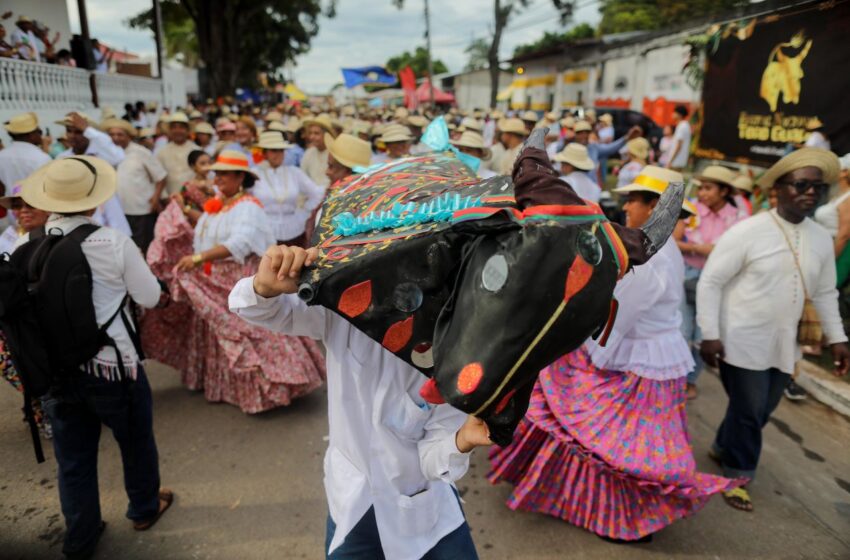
35, 86
114, 90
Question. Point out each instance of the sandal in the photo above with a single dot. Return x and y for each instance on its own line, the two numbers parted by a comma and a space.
166, 498
739, 499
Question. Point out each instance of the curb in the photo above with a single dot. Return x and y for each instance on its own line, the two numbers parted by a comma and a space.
824, 386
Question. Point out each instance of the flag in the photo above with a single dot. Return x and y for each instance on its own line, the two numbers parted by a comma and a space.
408, 84
369, 75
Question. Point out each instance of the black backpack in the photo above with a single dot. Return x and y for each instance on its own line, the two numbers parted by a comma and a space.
47, 314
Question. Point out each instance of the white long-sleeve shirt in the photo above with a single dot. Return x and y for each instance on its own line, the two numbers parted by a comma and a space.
243, 228
750, 295
118, 268
100, 145
388, 448
288, 196
18, 161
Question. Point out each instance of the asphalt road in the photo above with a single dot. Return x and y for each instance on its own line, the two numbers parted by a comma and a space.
250, 487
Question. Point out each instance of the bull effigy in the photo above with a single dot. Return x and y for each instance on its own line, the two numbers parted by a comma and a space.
477, 284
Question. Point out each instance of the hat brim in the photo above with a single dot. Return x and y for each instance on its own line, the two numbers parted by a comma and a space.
34, 193
715, 180
487, 151
12, 129
634, 187
824, 160
582, 164
229, 167
394, 139
274, 146
324, 126
330, 144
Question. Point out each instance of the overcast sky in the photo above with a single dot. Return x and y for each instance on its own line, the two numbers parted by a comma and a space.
364, 32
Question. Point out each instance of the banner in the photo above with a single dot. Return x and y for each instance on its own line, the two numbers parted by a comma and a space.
774, 80
408, 84
367, 76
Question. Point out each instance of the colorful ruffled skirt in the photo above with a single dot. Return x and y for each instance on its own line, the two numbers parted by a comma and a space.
607, 451
216, 351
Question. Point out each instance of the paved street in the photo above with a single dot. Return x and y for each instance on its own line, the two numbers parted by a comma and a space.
251, 488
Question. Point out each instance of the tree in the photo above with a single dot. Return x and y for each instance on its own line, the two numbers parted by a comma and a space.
549, 39
418, 61
477, 51
640, 15
238, 39
178, 32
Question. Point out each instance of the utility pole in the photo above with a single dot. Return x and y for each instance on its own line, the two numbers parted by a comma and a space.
428, 48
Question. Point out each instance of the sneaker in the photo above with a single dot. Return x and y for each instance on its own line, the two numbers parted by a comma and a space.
794, 392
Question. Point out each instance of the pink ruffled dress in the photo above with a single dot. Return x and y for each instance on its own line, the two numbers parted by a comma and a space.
604, 444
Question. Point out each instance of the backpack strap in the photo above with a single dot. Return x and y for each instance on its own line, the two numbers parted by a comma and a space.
80, 233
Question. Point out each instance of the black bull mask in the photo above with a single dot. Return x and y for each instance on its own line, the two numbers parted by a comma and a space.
477, 284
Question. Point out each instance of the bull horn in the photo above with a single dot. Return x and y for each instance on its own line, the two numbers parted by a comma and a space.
664, 218
536, 139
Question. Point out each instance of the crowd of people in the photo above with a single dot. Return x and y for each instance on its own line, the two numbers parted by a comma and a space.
30, 40
208, 214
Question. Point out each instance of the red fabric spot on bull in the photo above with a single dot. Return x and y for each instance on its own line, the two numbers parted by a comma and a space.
577, 277
355, 299
504, 402
429, 392
398, 335
469, 378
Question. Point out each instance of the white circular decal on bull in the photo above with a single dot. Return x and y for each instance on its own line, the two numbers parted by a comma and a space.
495, 273
422, 355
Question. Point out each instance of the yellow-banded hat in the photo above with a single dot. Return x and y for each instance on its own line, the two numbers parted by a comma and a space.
655, 180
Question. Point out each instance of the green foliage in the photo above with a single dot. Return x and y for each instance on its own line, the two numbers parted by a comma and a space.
550, 39
178, 34
418, 61
619, 16
478, 51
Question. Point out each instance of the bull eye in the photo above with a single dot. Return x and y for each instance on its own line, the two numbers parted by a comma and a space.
588, 247
495, 273
407, 297
422, 355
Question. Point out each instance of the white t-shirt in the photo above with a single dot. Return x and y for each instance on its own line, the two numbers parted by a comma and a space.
683, 135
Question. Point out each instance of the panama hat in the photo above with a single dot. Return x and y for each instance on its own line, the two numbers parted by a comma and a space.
529, 116
124, 125
272, 140
323, 120
514, 126
24, 19
468, 123
196, 115
575, 154
178, 117
69, 185
231, 160
274, 116
395, 132
590, 114
66, 120
226, 126
582, 126
824, 160
496, 114
401, 113
204, 128
472, 139
349, 150
717, 174
22, 124
606, 118
277, 126
361, 127
743, 183
417, 121
147, 133
638, 147
551, 117
568, 122
654, 179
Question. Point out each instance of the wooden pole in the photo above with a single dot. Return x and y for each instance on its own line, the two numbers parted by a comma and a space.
157, 35
428, 48
86, 39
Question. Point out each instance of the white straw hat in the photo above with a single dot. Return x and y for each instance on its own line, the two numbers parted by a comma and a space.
69, 185
349, 150
273, 140
395, 132
576, 155
471, 139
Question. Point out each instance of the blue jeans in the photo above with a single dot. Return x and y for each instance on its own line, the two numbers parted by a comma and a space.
690, 329
364, 543
77, 409
753, 396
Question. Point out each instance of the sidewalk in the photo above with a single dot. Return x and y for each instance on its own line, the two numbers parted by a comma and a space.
824, 386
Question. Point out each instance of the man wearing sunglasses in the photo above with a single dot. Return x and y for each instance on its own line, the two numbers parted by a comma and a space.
24, 155
751, 296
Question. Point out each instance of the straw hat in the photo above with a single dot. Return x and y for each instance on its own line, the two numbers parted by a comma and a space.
717, 174
226, 126
606, 118
147, 133
124, 125
322, 120
652, 179
277, 126
529, 116
66, 120
395, 132
496, 115
231, 160
349, 150
272, 140
294, 124
638, 147
514, 126
743, 183
204, 128
590, 114
417, 121
401, 113
361, 127
472, 139
69, 185
582, 126
568, 122
24, 19
196, 115
22, 124
551, 117
468, 123
274, 116
178, 117
576, 155
348, 111
824, 160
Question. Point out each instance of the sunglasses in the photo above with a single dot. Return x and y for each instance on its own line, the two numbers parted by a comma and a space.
802, 186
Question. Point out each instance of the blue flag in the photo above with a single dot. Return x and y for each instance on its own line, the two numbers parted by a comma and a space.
368, 75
